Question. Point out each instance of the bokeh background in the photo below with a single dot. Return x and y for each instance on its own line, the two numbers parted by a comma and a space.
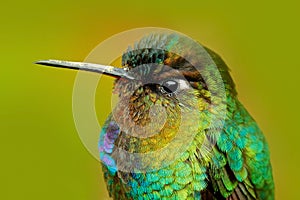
42, 156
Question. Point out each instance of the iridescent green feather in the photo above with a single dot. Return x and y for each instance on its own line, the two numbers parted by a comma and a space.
237, 167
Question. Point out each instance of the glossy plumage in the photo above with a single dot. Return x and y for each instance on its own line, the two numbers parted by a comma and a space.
236, 164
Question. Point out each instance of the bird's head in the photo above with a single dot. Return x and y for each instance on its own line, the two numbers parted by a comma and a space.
166, 86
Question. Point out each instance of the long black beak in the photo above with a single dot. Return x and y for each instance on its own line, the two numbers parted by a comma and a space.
91, 67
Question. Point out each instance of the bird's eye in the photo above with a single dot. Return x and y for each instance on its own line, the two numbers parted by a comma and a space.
169, 86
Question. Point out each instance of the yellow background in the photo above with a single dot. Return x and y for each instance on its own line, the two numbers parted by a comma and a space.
41, 154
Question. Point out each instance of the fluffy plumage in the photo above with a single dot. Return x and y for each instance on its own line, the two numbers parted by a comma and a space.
236, 165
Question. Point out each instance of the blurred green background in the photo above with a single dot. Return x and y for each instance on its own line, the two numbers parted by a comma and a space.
41, 154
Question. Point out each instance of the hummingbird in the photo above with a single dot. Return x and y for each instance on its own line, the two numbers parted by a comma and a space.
172, 135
